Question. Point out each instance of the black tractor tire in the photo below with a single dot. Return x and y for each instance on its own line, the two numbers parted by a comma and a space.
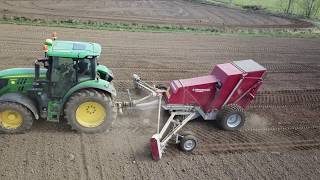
188, 143
231, 117
26, 116
90, 95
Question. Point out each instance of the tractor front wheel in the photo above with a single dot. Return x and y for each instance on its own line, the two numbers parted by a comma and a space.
89, 111
14, 118
231, 117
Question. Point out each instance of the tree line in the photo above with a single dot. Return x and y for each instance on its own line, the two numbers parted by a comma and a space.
308, 8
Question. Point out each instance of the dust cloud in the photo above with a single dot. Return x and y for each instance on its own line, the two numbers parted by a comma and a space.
254, 121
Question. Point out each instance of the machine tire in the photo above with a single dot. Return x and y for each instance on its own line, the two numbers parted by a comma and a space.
25, 117
188, 143
231, 117
90, 96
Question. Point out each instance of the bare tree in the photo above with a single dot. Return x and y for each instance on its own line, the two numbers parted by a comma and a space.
287, 6
310, 7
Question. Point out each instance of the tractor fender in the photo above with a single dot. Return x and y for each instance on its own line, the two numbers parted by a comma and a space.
21, 99
91, 84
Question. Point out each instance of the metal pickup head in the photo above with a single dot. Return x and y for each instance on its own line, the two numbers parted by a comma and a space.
136, 77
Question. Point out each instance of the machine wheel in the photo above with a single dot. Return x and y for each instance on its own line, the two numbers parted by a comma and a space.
90, 111
14, 118
188, 143
231, 117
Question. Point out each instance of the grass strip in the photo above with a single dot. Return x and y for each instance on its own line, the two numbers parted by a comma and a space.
135, 27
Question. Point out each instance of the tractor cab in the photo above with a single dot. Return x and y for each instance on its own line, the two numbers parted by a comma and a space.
67, 64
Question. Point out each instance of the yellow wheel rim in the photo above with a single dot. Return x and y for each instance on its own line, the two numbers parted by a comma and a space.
90, 114
10, 119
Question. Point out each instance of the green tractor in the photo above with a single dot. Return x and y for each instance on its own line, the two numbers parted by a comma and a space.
67, 83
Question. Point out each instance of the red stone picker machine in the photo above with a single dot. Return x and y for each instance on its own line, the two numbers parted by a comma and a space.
223, 95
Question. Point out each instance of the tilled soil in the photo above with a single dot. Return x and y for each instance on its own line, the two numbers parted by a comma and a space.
178, 12
280, 140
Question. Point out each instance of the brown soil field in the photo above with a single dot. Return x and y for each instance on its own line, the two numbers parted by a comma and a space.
281, 138
177, 12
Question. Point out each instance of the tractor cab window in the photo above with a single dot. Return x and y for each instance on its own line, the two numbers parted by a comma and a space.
85, 69
63, 75
67, 72
63, 68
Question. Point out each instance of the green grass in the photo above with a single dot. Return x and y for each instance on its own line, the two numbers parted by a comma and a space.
273, 5
157, 28
101, 25
270, 5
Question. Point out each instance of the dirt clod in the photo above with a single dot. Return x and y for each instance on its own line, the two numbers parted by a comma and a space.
71, 157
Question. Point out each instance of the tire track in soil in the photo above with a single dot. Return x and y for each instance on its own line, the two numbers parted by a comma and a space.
205, 68
286, 98
285, 138
249, 139
249, 166
253, 147
84, 156
93, 142
252, 144
132, 154
93, 157
249, 146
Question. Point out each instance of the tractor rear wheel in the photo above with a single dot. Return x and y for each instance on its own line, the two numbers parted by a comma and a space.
231, 117
90, 111
14, 118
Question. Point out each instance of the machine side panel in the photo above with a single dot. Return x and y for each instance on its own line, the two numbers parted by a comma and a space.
200, 95
194, 91
176, 93
247, 83
228, 69
248, 97
253, 74
228, 80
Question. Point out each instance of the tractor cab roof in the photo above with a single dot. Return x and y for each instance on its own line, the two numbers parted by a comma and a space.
71, 49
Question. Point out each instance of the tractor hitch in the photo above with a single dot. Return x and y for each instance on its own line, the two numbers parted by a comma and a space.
141, 103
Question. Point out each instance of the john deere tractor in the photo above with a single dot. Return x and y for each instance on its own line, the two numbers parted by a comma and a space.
67, 83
